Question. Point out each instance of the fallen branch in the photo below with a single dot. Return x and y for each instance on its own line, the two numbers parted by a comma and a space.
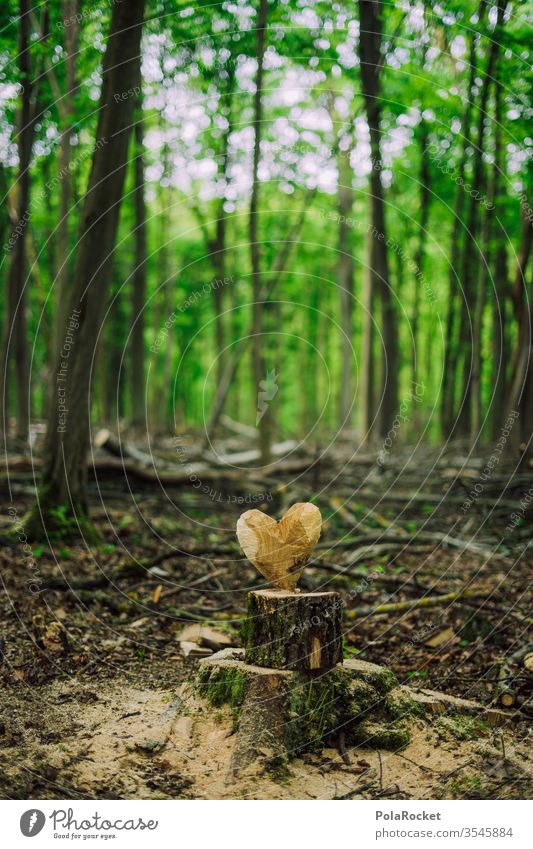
238, 427
400, 606
254, 454
403, 538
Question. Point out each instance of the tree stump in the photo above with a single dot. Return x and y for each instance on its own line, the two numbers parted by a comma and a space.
296, 631
278, 714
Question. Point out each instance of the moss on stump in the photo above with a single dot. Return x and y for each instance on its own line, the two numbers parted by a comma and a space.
279, 714
297, 631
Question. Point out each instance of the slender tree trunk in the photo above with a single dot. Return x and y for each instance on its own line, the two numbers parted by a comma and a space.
219, 243
520, 398
232, 364
164, 295
425, 198
371, 28
477, 330
236, 330
138, 388
64, 480
69, 10
498, 370
167, 413
114, 368
451, 343
368, 395
500, 337
6, 220
471, 253
345, 273
309, 385
258, 359
14, 341
218, 293
50, 239
519, 285
500, 290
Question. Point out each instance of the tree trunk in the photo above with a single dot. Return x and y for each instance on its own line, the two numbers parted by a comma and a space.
425, 198
264, 413
138, 388
368, 395
520, 397
345, 274
14, 340
67, 439
519, 285
471, 253
69, 10
370, 16
298, 631
163, 297
500, 337
499, 293
312, 365
451, 343
113, 373
219, 244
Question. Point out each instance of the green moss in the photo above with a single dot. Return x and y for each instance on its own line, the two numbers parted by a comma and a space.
278, 769
399, 704
317, 709
222, 685
259, 652
390, 736
384, 681
247, 625
468, 786
363, 697
460, 727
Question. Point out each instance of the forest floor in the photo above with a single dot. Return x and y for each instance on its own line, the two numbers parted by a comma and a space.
92, 666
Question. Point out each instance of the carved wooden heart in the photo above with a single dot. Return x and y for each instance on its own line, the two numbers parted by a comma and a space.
280, 550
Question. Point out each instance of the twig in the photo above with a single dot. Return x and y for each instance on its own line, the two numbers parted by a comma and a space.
399, 606
342, 749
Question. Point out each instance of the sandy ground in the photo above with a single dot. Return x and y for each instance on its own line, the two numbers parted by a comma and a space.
115, 740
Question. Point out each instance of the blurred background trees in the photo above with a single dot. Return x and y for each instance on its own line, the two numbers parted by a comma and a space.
328, 204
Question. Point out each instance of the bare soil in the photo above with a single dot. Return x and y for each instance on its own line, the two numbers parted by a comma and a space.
91, 666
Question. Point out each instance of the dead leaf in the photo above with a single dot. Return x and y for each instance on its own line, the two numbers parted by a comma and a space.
204, 635
440, 639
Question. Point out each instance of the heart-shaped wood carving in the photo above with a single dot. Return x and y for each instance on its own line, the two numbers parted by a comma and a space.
280, 550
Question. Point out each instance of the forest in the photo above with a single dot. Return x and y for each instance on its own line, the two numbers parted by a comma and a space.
256, 254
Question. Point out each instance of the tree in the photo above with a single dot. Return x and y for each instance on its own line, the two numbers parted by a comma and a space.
345, 275
470, 250
66, 105
520, 395
64, 480
371, 29
14, 339
258, 360
451, 343
138, 389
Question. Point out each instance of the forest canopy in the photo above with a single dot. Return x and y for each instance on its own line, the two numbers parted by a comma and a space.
309, 217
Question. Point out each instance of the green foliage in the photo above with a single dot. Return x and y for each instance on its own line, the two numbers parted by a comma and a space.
205, 55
